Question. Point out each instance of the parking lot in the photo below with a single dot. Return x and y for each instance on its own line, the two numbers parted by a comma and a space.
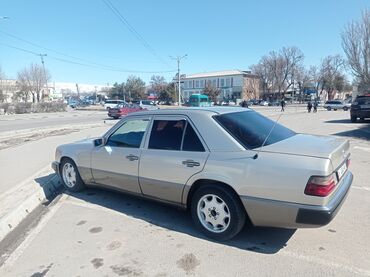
103, 233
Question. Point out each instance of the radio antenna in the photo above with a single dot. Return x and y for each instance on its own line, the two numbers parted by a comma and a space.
263, 144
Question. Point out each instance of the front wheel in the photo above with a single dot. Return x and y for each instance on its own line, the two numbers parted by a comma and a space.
345, 108
70, 176
353, 118
217, 212
328, 108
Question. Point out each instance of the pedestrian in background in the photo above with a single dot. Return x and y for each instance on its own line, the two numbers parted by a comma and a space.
315, 104
282, 103
309, 106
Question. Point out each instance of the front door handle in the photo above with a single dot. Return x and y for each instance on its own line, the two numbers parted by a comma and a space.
190, 163
132, 157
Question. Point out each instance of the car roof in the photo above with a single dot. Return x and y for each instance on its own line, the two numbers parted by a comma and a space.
196, 110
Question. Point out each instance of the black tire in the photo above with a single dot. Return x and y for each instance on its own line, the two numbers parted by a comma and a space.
353, 118
345, 108
78, 185
235, 209
328, 108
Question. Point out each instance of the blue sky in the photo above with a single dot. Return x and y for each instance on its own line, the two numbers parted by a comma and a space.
216, 35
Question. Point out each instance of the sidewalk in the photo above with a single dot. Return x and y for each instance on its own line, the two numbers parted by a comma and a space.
23, 170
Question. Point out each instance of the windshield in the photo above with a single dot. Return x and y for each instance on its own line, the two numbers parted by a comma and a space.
251, 129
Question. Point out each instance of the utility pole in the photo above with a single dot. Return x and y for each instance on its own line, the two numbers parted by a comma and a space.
43, 67
178, 59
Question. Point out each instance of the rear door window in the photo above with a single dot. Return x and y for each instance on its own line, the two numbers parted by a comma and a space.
167, 134
191, 140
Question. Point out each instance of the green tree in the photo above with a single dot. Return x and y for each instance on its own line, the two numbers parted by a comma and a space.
135, 87
117, 91
169, 93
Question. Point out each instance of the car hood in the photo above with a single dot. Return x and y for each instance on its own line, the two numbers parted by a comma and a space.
328, 147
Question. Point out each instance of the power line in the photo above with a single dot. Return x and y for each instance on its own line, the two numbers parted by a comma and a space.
76, 58
139, 37
84, 64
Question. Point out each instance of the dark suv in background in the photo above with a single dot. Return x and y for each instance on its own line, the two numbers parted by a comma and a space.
360, 108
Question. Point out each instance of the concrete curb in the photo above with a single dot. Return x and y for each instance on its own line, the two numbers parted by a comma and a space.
18, 202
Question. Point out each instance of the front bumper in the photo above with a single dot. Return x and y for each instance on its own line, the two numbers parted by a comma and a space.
55, 166
272, 213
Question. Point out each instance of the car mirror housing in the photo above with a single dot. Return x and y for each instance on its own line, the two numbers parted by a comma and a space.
99, 142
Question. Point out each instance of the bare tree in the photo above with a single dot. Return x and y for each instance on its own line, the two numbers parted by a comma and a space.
2, 94
330, 72
158, 84
356, 45
32, 80
277, 69
212, 92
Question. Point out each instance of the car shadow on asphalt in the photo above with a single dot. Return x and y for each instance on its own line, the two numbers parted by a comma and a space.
259, 240
346, 121
360, 133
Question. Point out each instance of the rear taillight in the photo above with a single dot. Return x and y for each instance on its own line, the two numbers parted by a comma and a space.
348, 162
320, 186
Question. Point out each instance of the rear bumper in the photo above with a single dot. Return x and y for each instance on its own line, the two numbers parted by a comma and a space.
272, 213
360, 113
55, 167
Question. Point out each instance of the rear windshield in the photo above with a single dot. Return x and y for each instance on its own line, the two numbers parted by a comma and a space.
251, 129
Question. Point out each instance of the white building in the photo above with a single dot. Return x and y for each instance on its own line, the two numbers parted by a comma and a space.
233, 84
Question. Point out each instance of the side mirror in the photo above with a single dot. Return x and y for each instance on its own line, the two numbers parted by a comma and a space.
99, 142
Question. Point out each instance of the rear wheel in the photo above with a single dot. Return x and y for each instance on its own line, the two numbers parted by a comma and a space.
217, 212
328, 108
70, 176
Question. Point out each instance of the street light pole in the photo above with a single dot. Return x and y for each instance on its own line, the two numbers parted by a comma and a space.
178, 59
43, 67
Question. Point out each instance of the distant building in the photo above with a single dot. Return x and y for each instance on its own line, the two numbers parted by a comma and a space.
233, 84
8, 87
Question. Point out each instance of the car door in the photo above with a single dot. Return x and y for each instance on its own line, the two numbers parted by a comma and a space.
173, 153
116, 163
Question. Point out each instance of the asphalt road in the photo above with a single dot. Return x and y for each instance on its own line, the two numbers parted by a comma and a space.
102, 233
19, 122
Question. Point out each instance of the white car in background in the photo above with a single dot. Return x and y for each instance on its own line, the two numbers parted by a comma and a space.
337, 105
109, 104
146, 104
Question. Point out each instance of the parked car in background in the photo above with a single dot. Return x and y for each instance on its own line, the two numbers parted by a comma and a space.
264, 103
123, 109
74, 103
360, 108
337, 105
146, 104
274, 103
113, 103
225, 165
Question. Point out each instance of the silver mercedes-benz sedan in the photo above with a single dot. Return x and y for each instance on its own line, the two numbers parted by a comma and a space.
224, 164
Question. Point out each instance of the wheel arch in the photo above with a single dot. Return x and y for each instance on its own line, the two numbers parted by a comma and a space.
203, 182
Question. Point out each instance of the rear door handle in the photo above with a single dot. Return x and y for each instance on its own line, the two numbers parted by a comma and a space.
132, 157
190, 163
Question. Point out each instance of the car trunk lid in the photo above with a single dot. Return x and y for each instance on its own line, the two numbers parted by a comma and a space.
335, 149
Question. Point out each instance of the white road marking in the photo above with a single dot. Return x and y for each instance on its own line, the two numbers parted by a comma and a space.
361, 188
326, 263
367, 149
